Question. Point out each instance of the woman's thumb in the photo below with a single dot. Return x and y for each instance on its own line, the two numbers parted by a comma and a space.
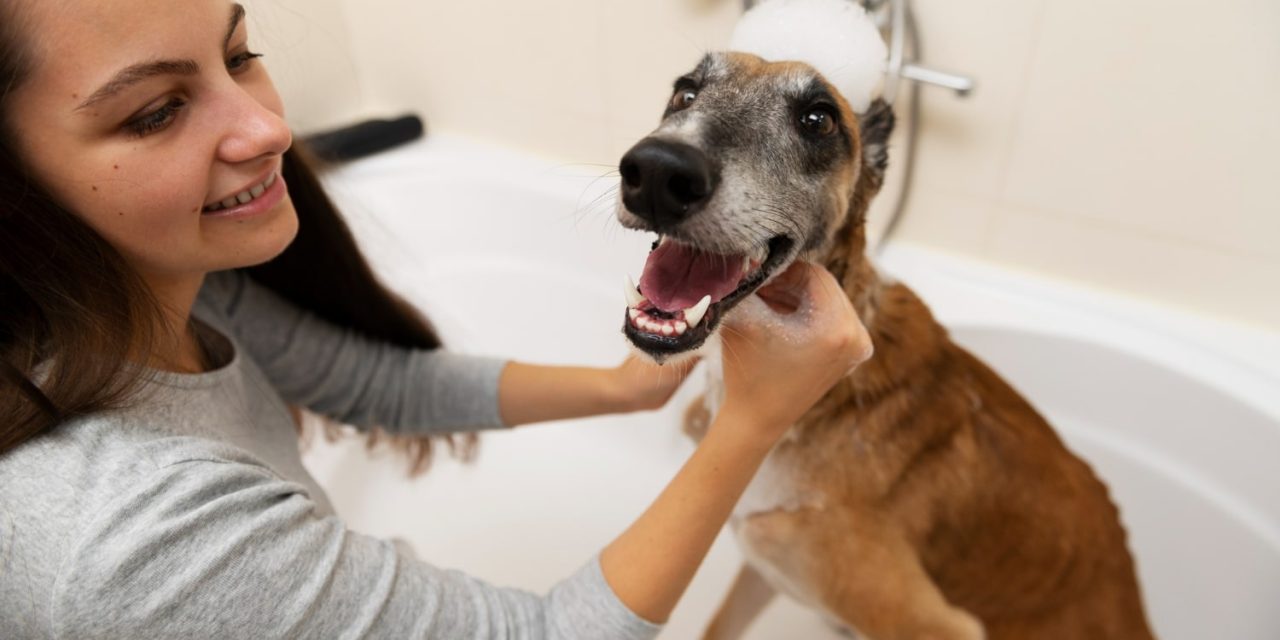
786, 291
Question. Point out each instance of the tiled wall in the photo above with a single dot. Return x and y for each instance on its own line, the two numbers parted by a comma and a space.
309, 51
1132, 146
1128, 145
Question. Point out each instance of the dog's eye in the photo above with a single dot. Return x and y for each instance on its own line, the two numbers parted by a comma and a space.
818, 121
683, 98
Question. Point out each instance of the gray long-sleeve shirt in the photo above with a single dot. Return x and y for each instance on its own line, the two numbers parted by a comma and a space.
191, 515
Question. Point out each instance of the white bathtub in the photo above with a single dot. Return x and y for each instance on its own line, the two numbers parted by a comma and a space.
520, 257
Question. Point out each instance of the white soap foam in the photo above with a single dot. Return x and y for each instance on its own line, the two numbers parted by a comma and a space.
836, 37
792, 328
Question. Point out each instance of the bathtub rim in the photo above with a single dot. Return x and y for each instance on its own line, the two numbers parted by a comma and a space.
1237, 359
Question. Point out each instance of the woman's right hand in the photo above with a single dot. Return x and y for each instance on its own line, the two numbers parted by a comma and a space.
786, 346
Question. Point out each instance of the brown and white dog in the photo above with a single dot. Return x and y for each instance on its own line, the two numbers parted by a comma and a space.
922, 497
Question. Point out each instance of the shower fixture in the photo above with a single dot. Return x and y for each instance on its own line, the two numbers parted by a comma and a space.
897, 23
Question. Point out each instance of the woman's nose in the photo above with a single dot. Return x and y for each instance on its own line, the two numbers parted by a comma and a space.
254, 126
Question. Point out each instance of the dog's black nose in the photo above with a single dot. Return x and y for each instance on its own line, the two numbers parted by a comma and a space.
664, 182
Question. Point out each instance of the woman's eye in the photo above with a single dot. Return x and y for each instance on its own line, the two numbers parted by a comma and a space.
818, 121
156, 120
240, 61
683, 98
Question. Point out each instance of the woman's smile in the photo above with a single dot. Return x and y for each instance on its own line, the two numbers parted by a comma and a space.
148, 138
257, 199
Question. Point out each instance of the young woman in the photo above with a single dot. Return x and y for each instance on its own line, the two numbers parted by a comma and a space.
172, 278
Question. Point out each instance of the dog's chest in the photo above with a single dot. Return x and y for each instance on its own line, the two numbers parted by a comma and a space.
779, 484
782, 481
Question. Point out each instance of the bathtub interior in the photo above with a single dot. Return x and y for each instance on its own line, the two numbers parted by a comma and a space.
521, 258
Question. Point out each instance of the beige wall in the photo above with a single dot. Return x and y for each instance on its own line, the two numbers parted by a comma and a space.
1130, 146
309, 51
577, 79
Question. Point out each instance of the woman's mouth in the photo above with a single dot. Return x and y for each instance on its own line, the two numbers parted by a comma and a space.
244, 197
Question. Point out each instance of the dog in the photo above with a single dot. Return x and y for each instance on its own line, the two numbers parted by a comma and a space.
922, 497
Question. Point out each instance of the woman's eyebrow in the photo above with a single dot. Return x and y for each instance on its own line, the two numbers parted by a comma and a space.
136, 73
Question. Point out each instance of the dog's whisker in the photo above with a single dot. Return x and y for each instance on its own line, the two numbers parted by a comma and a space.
597, 205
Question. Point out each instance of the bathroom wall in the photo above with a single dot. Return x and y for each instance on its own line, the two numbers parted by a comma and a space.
1126, 146
310, 54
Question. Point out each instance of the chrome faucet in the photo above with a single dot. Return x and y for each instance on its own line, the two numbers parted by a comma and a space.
895, 18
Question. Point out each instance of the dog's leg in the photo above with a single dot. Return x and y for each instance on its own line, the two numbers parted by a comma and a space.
886, 594
747, 598
869, 578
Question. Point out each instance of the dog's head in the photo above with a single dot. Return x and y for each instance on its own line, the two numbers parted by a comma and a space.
755, 164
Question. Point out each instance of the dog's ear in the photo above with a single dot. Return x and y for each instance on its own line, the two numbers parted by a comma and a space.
876, 125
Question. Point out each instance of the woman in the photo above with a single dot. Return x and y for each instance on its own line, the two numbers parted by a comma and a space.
171, 275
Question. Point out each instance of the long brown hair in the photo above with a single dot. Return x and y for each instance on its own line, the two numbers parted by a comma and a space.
72, 309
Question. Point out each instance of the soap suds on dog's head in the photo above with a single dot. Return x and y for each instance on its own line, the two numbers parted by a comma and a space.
836, 37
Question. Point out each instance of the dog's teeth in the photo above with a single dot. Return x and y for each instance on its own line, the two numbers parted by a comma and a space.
693, 315
668, 329
634, 299
681, 327
633, 313
746, 264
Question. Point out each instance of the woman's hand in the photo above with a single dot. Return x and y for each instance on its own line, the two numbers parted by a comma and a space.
787, 345
529, 393
641, 385
783, 349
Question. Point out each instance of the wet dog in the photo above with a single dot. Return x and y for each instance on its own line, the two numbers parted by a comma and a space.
922, 497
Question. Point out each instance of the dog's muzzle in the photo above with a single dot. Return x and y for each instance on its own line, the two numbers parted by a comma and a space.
664, 182
685, 289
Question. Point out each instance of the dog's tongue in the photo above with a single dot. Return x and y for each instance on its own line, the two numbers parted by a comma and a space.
677, 276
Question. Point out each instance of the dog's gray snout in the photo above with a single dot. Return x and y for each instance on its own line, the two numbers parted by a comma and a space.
664, 182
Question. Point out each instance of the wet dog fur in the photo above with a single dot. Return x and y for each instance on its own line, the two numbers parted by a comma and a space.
922, 497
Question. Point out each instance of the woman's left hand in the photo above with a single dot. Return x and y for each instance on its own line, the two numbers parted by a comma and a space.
529, 393
642, 385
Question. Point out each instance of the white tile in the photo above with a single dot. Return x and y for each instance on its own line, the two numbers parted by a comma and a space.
1157, 115
1183, 274
965, 142
645, 47
489, 67
953, 221
309, 55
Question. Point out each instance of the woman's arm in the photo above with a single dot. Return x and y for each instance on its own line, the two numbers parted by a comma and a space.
218, 545
651, 564
529, 393
784, 350
337, 372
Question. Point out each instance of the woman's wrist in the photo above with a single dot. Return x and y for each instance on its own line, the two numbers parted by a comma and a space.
530, 393
624, 390
614, 392
754, 428
651, 564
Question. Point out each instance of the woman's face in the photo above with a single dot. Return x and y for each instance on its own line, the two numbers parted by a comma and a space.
145, 117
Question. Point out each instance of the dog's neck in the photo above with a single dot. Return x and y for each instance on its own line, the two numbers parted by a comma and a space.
847, 261
907, 340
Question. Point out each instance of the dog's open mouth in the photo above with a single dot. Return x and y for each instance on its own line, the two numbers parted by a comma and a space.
685, 291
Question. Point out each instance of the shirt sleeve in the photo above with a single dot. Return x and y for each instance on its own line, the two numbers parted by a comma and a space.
211, 548
355, 379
